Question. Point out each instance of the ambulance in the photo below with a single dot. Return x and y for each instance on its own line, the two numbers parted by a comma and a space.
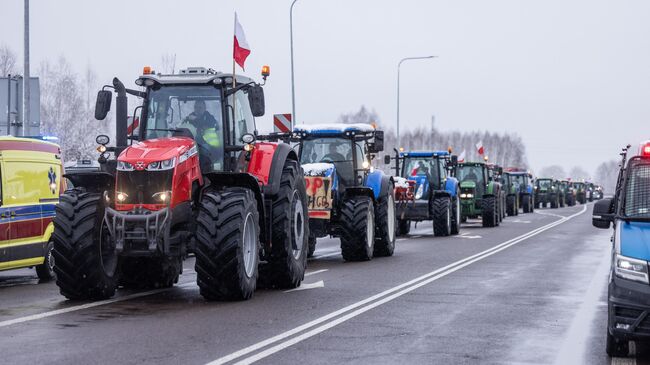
30, 183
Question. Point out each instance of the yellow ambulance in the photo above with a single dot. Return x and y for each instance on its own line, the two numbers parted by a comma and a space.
30, 184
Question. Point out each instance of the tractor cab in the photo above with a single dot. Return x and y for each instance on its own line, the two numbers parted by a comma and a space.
429, 171
480, 192
523, 180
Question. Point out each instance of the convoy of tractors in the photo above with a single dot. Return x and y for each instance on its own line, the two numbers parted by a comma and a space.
188, 174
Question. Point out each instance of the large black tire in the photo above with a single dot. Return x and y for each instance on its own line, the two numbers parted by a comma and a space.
45, 271
616, 347
357, 229
386, 224
455, 215
562, 201
554, 200
403, 227
441, 213
526, 206
227, 234
510, 205
312, 246
287, 261
85, 257
150, 272
489, 212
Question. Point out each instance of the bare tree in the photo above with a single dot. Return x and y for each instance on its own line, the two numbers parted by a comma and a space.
168, 63
578, 173
606, 175
362, 116
7, 61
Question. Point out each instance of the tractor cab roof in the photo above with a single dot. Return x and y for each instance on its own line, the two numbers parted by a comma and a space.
424, 154
335, 130
191, 75
471, 164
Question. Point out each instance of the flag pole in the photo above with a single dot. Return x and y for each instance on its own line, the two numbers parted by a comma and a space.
234, 79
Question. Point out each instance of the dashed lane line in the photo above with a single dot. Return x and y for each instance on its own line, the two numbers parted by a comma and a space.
319, 325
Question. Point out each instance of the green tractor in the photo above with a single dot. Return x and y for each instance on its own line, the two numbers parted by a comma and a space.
480, 193
569, 197
512, 190
580, 190
546, 193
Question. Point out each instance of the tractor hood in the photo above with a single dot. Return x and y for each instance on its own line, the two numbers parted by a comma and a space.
158, 149
468, 184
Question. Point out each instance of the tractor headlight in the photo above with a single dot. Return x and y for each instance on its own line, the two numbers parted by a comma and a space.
163, 196
631, 269
466, 196
162, 165
124, 166
121, 197
419, 192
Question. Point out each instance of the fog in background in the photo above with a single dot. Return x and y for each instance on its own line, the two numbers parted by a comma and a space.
571, 78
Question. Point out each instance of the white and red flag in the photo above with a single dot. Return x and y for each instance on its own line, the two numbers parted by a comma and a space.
479, 148
241, 49
461, 157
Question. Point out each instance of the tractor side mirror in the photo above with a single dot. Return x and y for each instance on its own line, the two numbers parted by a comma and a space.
378, 144
387, 159
103, 104
603, 214
256, 100
454, 160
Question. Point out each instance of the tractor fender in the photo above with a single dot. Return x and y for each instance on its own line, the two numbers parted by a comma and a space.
92, 181
441, 194
379, 183
451, 186
267, 162
359, 191
243, 180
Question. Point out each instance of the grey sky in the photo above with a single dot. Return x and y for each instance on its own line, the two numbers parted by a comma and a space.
572, 77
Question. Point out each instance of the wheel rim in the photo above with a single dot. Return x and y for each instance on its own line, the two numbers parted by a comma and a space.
107, 251
298, 226
370, 228
249, 243
50, 260
391, 218
457, 212
448, 219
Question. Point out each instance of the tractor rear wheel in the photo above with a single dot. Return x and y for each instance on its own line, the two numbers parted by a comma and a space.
455, 215
85, 255
510, 206
227, 244
386, 222
358, 229
553, 201
489, 212
286, 263
403, 227
441, 212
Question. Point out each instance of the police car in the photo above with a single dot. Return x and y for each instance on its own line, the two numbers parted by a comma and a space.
628, 212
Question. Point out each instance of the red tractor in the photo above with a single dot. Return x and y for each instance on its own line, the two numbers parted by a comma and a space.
190, 178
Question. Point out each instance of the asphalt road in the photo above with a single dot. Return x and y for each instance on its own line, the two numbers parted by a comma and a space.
530, 291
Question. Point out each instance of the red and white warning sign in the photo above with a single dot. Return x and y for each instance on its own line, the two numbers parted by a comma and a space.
282, 123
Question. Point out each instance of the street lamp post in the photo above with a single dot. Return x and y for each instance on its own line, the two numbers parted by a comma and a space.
399, 65
293, 86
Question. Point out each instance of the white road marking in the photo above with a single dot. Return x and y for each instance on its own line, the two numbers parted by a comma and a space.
623, 361
327, 255
550, 214
303, 286
75, 308
315, 272
371, 302
465, 235
401, 239
518, 221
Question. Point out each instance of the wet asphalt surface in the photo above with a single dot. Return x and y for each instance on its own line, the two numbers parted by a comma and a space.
531, 291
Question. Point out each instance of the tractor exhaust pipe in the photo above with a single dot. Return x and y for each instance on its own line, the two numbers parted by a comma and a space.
121, 116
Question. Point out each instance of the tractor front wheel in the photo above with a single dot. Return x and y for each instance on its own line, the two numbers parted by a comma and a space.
455, 215
227, 244
287, 260
441, 212
403, 227
358, 229
85, 255
489, 212
386, 222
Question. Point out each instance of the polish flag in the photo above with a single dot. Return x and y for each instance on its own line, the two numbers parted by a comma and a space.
461, 157
241, 49
479, 148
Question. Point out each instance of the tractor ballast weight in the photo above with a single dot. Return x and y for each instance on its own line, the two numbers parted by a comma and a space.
194, 179
348, 198
427, 191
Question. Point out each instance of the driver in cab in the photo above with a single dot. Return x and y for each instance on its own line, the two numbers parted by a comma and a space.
204, 128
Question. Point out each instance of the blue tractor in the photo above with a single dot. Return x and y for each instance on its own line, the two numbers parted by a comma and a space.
433, 193
347, 197
628, 213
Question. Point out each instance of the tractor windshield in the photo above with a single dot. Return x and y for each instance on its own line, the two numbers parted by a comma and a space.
520, 180
191, 111
427, 167
544, 183
471, 173
337, 151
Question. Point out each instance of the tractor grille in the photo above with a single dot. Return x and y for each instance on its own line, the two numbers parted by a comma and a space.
637, 191
140, 186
